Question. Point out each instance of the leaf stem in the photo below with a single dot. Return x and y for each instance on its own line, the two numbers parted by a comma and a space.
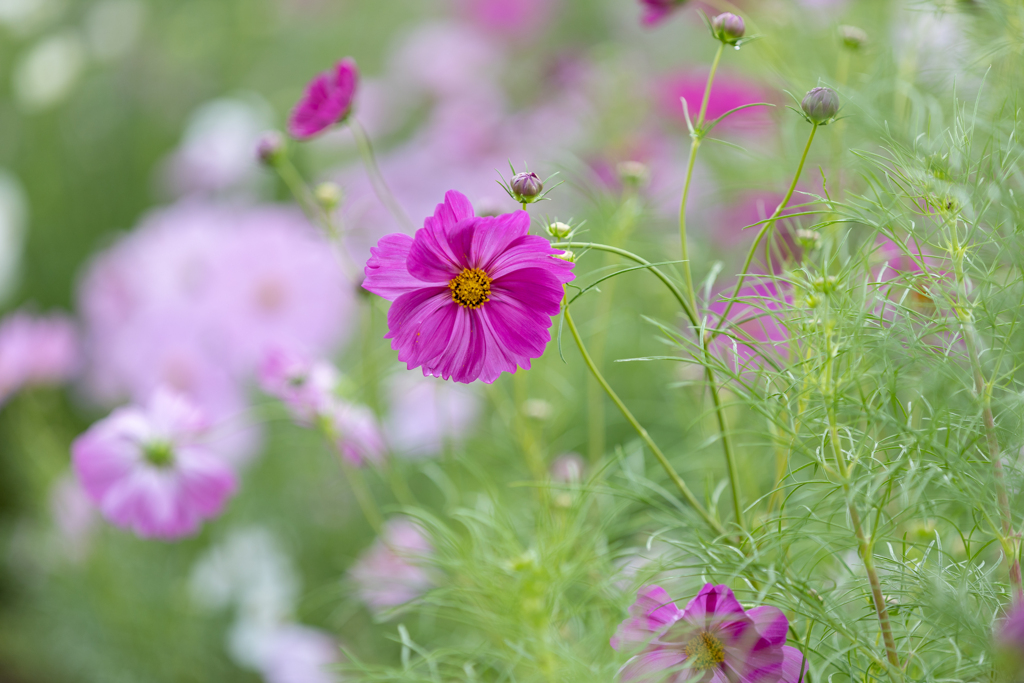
380, 186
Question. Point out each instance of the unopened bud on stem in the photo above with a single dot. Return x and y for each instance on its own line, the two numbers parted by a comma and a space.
728, 28
820, 105
270, 148
527, 186
853, 38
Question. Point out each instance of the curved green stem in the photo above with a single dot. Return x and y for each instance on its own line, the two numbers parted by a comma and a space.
769, 224
673, 475
380, 186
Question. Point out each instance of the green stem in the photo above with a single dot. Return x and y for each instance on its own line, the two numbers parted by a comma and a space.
983, 392
380, 186
296, 184
769, 224
696, 137
673, 475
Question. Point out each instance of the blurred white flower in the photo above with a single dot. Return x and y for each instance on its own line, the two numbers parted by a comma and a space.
24, 16
217, 151
113, 27
49, 71
13, 215
74, 515
249, 571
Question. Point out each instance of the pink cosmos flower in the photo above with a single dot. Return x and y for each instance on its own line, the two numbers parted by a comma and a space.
148, 470
657, 11
755, 327
309, 389
714, 640
512, 18
473, 296
427, 414
299, 654
391, 572
357, 433
327, 101
36, 350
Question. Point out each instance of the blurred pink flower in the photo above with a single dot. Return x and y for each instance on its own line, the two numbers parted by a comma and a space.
568, 468
657, 11
427, 414
327, 100
391, 572
197, 295
309, 389
299, 654
755, 329
729, 92
148, 470
713, 639
36, 350
512, 18
74, 515
458, 289
357, 433
445, 59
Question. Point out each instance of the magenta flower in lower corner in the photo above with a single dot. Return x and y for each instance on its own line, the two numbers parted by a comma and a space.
148, 469
473, 297
327, 101
714, 640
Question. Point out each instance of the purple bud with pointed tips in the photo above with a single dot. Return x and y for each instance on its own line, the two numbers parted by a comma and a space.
270, 147
820, 105
527, 185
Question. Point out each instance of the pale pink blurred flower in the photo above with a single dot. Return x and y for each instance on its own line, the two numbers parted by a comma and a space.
356, 432
391, 572
428, 413
755, 329
512, 18
74, 515
300, 654
445, 59
328, 100
729, 91
36, 350
657, 11
568, 468
308, 388
148, 469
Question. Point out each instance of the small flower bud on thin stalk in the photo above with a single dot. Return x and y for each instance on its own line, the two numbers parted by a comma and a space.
527, 187
270, 148
820, 106
853, 38
728, 28
328, 196
559, 230
633, 174
567, 256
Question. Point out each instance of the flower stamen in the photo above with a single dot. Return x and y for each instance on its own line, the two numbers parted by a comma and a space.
705, 651
471, 288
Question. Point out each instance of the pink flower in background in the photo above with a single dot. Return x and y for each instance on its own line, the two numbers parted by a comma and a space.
426, 414
729, 92
568, 468
755, 328
445, 59
299, 654
327, 100
513, 18
391, 573
36, 350
657, 11
309, 389
148, 469
357, 433
473, 297
74, 516
713, 639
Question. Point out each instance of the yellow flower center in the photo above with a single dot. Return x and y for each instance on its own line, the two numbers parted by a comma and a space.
471, 288
705, 651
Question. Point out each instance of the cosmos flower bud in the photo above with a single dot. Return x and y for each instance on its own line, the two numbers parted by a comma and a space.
270, 148
527, 186
633, 173
567, 256
853, 38
328, 195
728, 28
559, 230
820, 105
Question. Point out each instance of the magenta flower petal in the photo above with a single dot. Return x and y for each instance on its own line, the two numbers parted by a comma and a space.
386, 273
651, 614
474, 297
793, 668
327, 100
771, 623
647, 665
